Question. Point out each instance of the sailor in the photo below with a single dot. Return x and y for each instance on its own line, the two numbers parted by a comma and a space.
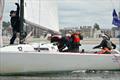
66, 42
62, 44
15, 23
57, 40
76, 37
106, 45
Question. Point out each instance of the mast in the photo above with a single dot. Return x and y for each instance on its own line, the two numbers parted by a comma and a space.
119, 25
21, 20
119, 31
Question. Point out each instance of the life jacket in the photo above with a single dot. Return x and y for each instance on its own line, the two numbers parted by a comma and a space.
104, 51
76, 38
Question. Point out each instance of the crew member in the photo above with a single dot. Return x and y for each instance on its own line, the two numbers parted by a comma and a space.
15, 23
106, 45
75, 42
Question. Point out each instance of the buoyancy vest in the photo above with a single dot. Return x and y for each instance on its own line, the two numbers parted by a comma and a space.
76, 38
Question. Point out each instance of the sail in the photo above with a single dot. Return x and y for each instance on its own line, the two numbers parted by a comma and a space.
42, 13
1, 15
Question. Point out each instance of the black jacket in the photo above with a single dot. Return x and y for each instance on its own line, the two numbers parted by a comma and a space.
104, 44
15, 21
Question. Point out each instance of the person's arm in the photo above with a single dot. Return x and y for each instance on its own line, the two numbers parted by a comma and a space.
18, 8
81, 37
98, 46
114, 46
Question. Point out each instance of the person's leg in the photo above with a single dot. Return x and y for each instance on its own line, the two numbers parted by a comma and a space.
77, 49
13, 38
107, 51
101, 52
74, 49
17, 38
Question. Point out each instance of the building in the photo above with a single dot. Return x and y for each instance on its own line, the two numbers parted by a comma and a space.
86, 31
115, 32
96, 33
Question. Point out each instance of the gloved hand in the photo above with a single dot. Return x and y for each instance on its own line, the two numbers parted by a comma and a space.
94, 47
114, 47
79, 44
16, 4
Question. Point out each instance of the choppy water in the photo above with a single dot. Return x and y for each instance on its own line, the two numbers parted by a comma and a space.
99, 75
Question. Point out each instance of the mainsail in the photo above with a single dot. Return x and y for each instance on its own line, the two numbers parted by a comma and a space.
1, 16
42, 13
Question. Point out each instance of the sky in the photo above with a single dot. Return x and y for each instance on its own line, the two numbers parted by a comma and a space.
75, 13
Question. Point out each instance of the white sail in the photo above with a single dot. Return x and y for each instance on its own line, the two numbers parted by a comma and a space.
42, 13
1, 15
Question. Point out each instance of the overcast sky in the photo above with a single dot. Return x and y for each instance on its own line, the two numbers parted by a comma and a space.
75, 13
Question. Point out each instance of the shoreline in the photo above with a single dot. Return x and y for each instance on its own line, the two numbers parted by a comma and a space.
97, 40
84, 41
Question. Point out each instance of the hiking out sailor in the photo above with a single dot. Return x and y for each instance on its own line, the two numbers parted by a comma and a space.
15, 23
106, 45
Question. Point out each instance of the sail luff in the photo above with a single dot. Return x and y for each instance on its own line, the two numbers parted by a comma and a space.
1, 19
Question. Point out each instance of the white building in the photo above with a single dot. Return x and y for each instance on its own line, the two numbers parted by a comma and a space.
97, 33
116, 33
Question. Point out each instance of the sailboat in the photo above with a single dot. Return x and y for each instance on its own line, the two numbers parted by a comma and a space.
24, 58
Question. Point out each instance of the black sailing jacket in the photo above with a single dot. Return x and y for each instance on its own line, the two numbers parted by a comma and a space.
104, 44
15, 21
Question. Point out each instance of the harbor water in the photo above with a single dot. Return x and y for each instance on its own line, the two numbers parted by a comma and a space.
98, 75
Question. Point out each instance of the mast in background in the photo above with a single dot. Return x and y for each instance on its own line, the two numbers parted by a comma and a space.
119, 31
119, 25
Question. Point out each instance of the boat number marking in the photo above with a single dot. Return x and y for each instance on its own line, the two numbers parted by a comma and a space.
20, 48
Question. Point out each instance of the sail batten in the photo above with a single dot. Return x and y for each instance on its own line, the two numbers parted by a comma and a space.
43, 13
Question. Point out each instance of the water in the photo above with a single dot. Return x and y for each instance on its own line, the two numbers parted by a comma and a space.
99, 75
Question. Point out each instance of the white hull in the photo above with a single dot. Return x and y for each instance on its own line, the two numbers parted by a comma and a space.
47, 61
